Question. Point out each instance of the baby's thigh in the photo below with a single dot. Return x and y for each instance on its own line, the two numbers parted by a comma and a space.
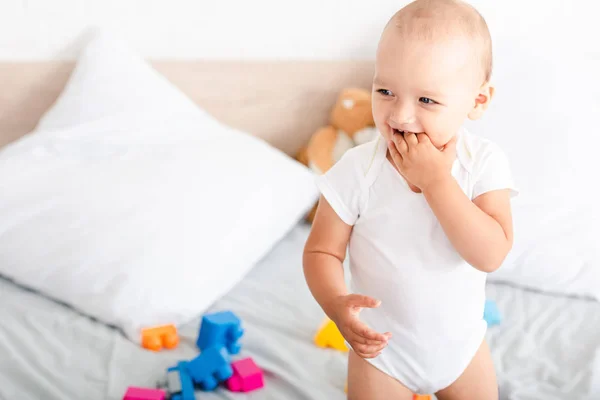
477, 382
365, 382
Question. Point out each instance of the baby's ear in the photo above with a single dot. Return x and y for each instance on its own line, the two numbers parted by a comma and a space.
482, 101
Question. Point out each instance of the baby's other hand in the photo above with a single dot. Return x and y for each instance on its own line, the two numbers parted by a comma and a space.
365, 342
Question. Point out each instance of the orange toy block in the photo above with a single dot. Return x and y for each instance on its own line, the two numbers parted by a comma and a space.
421, 397
158, 337
329, 336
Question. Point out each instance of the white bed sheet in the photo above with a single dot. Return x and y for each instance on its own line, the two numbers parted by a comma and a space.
544, 349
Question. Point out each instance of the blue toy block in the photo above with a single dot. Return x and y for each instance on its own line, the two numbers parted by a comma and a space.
173, 382
220, 329
185, 389
210, 368
491, 314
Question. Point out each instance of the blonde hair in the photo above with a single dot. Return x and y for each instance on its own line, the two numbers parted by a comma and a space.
428, 19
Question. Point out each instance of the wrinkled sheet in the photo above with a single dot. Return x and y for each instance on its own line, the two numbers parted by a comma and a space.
544, 349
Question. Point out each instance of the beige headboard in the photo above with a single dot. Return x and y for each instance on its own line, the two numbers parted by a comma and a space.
281, 102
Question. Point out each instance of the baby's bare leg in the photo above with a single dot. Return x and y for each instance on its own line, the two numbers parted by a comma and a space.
365, 382
477, 382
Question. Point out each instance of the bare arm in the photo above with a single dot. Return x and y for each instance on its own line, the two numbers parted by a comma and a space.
324, 255
480, 230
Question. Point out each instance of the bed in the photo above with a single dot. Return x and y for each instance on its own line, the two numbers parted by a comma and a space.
545, 347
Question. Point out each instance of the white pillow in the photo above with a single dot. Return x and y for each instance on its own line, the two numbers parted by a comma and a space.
545, 118
134, 206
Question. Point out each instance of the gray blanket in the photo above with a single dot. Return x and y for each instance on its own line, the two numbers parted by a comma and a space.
544, 348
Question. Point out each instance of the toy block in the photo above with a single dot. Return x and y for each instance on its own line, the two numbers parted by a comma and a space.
157, 337
220, 329
174, 382
137, 393
210, 368
329, 336
184, 390
246, 376
421, 397
491, 314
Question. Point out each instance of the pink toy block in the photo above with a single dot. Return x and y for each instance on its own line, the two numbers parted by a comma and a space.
246, 376
136, 393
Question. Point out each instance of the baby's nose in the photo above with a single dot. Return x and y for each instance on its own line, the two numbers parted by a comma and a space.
403, 116
408, 125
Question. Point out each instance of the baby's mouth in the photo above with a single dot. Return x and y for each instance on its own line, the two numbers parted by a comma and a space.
401, 132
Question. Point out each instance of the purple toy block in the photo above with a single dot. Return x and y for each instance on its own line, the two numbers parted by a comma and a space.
246, 376
137, 393
220, 329
210, 367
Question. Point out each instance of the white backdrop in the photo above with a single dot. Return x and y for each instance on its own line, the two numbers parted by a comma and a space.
259, 29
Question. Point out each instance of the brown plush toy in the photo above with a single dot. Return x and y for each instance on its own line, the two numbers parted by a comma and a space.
350, 124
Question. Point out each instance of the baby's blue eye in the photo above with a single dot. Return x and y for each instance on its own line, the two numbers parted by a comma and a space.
426, 100
384, 92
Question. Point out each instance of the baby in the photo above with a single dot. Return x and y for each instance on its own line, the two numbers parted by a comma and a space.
424, 213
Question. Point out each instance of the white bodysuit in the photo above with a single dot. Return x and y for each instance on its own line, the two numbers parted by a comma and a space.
431, 299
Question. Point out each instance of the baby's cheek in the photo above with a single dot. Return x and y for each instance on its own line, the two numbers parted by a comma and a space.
436, 140
383, 128
386, 135
431, 131
439, 134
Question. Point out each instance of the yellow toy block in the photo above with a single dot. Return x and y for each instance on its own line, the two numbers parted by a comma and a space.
329, 336
421, 397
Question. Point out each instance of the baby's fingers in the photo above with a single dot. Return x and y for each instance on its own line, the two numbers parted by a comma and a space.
369, 342
369, 350
356, 338
395, 153
362, 301
363, 355
361, 329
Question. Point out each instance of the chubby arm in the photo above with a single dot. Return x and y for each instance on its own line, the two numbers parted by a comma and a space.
480, 230
324, 254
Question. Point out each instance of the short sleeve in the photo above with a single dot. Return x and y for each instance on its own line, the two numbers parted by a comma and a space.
493, 172
341, 186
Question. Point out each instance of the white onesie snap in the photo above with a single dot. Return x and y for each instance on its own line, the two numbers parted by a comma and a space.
432, 300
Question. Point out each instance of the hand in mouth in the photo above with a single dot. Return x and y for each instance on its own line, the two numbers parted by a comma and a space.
401, 132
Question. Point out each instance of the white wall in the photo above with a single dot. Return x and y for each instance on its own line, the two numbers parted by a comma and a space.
254, 29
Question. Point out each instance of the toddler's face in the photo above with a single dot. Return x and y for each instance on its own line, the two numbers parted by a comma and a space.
425, 87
